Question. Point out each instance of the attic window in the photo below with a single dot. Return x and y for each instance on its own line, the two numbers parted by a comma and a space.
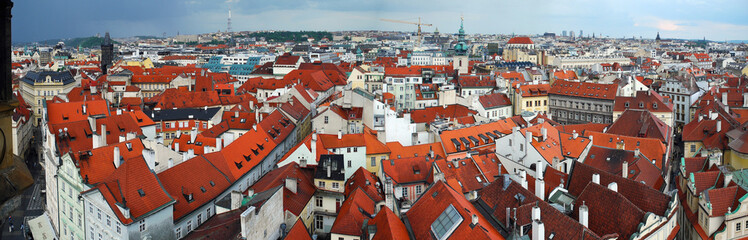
654, 105
446, 223
641, 104
202, 189
243, 120
627, 104
140, 191
212, 184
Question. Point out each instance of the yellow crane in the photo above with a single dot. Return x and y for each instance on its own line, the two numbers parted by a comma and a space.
419, 24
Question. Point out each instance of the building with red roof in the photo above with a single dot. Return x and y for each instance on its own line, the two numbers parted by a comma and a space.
456, 143
355, 212
286, 63
444, 213
494, 106
531, 98
643, 211
467, 175
648, 100
582, 102
405, 179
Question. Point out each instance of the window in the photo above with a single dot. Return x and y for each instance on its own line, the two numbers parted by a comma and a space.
446, 223
349, 163
98, 212
318, 221
189, 226
118, 228
335, 185
737, 227
199, 219
355, 149
373, 161
167, 125
108, 221
418, 190
327, 119
405, 192
321, 184
179, 233
142, 225
318, 201
349, 150
693, 148
208, 213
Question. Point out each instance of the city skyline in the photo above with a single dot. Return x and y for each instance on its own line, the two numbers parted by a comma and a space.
686, 19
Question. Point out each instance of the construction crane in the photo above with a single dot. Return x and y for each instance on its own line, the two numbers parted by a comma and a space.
419, 23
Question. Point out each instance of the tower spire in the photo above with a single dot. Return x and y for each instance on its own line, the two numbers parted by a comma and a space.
228, 27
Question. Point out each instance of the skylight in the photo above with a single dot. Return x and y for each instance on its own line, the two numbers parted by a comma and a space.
446, 223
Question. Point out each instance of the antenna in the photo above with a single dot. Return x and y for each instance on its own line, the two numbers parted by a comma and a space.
228, 27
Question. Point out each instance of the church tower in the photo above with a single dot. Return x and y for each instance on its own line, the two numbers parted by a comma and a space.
657, 39
460, 59
107, 53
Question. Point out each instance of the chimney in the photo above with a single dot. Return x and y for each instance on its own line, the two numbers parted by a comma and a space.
574, 134
528, 140
314, 146
613, 186
625, 169
171, 163
539, 183
119, 112
116, 157
96, 141
584, 215
84, 108
340, 134
523, 178
193, 134
236, 114
745, 99
431, 152
474, 220
329, 170
236, 199
176, 147
538, 229
719, 125
122, 138
636, 152
596, 178
190, 153
302, 163
724, 98
103, 141
219, 144
251, 105
206, 149
701, 117
291, 184
254, 126
544, 132
712, 115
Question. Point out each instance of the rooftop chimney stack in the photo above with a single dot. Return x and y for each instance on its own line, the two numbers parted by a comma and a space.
116, 157
474, 220
724, 98
538, 229
613, 186
574, 134
291, 184
523, 178
544, 132
314, 146
584, 215
539, 183
596, 178
625, 169
719, 125
340, 134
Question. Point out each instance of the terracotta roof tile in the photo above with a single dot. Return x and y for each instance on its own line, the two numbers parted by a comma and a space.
584, 89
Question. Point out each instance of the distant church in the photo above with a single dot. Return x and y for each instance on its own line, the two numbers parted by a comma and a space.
461, 61
107, 53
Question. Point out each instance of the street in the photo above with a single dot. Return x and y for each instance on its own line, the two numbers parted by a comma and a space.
32, 202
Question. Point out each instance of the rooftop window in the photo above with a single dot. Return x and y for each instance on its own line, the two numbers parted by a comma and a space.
446, 223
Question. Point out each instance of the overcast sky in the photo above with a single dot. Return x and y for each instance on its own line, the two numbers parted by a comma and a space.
35, 20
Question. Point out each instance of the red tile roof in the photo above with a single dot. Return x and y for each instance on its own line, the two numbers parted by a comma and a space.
488, 129
624, 219
640, 168
637, 123
649, 100
434, 201
124, 186
400, 151
652, 148
292, 202
476, 81
253, 84
503, 193
584, 89
494, 100
565, 75
152, 79
465, 176
100, 164
409, 170
519, 40
534, 90
430, 114
644, 197
389, 226
366, 181
356, 208
73, 111
287, 59
705, 180
314, 79
723, 198
298, 232
202, 174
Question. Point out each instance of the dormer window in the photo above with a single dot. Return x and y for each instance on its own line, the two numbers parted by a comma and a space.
641, 104
654, 105
627, 104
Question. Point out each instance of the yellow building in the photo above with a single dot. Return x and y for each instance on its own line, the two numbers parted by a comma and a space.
531, 98
147, 63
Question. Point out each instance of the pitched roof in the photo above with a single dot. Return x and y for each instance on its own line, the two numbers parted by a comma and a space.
366, 181
494, 100
135, 186
483, 133
409, 170
434, 201
204, 175
519, 40
638, 123
480, 81
356, 208
505, 193
624, 219
649, 100
429, 114
640, 168
388, 226
584, 89
652, 148
400, 151
644, 197
534, 90
723, 198
298, 231
292, 202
